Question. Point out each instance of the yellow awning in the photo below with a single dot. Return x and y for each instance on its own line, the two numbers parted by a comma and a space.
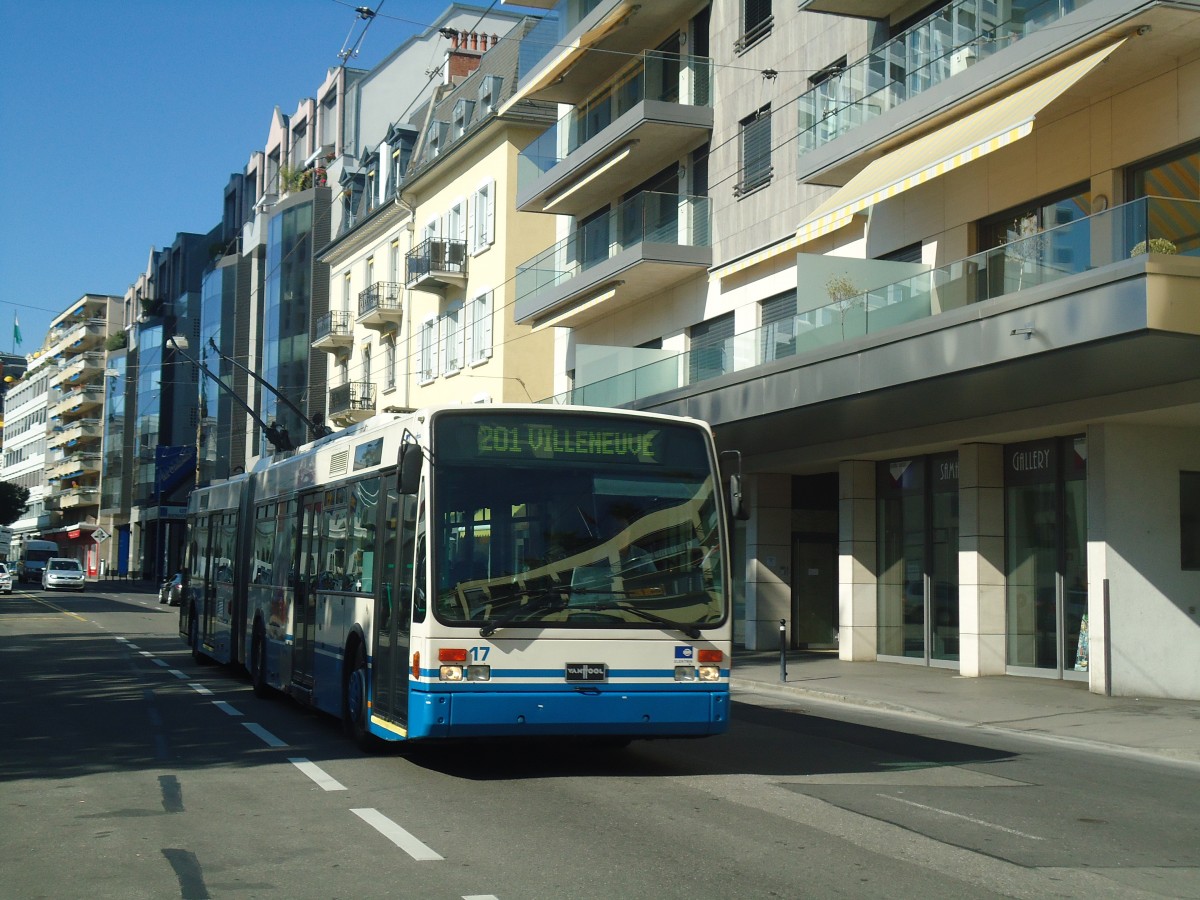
982, 132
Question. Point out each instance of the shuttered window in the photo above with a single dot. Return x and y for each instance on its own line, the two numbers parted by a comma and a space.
778, 326
756, 23
755, 151
712, 348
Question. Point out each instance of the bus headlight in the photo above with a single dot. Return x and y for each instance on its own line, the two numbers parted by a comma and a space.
479, 673
685, 673
710, 673
450, 673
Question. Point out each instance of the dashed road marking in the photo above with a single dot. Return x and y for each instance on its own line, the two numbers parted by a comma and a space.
397, 835
227, 708
317, 774
946, 812
200, 689
265, 736
180, 675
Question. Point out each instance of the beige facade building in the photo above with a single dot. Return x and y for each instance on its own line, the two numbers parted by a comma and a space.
945, 306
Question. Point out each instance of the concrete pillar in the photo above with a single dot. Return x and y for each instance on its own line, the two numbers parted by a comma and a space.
768, 560
981, 602
856, 560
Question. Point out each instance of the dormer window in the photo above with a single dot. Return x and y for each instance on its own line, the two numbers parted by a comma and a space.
437, 139
462, 116
489, 92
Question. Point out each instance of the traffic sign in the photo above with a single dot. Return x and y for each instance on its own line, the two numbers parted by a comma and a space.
100, 535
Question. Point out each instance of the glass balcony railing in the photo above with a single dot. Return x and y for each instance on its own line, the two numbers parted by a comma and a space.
648, 217
666, 77
1149, 225
933, 50
547, 36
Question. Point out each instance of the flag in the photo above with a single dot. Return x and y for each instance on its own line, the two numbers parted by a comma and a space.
16, 332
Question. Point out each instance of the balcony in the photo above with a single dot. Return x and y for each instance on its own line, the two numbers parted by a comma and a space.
651, 117
75, 435
436, 264
81, 369
647, 244
1097, 255
580, 44
78, 402
350, 403
332, 332
379, 306
88, 334
75, 465
78, 496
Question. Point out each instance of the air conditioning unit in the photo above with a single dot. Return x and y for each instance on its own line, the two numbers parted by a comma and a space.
962, 59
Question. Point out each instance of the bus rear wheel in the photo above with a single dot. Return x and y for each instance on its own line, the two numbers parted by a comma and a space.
354, 702
258, 665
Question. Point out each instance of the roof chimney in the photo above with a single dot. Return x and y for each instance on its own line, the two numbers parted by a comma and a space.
461, 61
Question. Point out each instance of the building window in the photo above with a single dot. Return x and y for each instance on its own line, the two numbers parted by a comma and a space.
479, 328
755, 152
778, 326
366, 357
756, 23
712, 348
1189, 521
483, 226
427, 345
452, 340
390, 362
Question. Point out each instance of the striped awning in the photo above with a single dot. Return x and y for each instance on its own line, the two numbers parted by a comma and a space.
985, 131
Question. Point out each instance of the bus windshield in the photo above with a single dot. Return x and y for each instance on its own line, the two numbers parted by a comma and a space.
605, 521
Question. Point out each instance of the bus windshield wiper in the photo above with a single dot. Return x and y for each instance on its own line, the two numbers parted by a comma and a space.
691, 631
550, 600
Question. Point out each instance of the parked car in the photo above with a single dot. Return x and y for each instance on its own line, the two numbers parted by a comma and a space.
171, 590
6, 579
63, 573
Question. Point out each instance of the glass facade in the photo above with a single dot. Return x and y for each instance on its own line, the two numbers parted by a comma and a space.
286, 342
112, 482
1045, 500
149, 398
216, 403
917, 587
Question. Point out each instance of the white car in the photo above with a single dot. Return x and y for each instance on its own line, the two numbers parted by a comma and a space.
63, 573
6, 579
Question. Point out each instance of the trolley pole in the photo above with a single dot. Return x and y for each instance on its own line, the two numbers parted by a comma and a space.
782, 651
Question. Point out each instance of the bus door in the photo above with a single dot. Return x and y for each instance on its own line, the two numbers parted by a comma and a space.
393, 607
304, 626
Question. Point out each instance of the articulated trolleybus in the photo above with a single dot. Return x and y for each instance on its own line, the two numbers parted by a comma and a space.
477, 571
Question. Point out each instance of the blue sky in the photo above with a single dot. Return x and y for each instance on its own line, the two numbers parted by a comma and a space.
123, 120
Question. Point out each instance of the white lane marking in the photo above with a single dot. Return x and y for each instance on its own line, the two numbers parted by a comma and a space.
396, 834
946, 812
131, 645
123, 640
181, 675
144, 652
160, 662
313, 771
200, 689
265, 736
480, 897
226, 708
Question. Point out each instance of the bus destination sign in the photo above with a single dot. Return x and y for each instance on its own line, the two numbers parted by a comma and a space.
611, 442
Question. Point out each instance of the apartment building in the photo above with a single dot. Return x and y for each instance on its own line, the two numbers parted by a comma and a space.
26, 403
948, 315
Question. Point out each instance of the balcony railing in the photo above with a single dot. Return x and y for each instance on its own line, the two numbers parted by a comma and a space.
547, 35
332, 331
352, 402
666, 77
648, 217
935, 49
436, 260
380, 303
1149, 225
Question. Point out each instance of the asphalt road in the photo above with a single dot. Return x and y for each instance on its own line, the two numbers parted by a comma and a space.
128, 771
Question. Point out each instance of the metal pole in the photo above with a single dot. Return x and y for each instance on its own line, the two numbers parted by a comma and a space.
782, 651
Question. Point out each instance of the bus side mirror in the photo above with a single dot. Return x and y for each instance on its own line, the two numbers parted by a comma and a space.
410, 468
737, 501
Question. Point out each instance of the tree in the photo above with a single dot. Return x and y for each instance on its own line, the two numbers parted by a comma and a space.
13, 499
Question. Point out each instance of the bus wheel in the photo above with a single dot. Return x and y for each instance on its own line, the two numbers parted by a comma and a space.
193, 638
258, 665
354, 703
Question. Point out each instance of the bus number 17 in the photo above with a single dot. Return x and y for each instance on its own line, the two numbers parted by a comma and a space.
479, 654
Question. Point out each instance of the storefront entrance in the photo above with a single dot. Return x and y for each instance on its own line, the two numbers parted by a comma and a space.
1045, 504
918, 559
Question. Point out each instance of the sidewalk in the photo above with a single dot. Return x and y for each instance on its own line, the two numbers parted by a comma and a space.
1065, 710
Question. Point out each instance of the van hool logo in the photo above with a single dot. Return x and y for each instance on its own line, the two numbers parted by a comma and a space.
586, 672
